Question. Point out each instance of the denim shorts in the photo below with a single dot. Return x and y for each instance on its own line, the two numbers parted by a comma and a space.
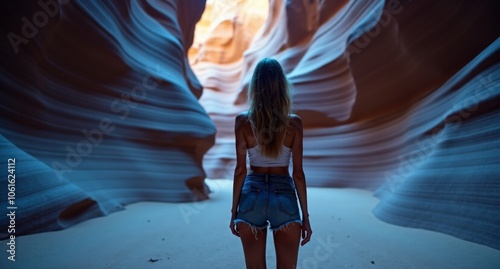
268, 199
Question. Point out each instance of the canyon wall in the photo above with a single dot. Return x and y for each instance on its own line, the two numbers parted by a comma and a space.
99, 108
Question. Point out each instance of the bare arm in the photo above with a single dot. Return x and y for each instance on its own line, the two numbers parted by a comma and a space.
241, 167
299, 178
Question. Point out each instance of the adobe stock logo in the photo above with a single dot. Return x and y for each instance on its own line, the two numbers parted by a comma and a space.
29, 30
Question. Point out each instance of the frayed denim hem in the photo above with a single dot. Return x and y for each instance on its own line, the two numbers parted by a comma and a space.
285, 225
253, 227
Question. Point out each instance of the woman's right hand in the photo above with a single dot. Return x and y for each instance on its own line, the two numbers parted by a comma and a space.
306, 231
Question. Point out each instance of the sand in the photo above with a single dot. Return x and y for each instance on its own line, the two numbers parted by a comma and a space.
196, 235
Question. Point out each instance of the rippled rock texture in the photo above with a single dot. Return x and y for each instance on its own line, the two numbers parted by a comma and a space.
99, 106
401, 97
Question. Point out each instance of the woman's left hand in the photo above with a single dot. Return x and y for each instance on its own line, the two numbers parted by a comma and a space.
233, 226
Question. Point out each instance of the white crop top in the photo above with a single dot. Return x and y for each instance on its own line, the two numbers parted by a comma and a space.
259, 160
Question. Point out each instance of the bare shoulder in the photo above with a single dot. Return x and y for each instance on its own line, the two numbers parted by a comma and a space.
296, 121
241, 119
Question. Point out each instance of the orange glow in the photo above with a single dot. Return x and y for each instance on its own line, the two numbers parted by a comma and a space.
226, 30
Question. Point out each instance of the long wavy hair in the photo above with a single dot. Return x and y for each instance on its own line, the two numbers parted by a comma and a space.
269, 96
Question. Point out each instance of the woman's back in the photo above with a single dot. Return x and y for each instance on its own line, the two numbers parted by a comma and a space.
250, 136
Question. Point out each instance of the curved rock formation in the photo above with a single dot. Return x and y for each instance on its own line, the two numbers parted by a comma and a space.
99, 106
43, 202
448, 179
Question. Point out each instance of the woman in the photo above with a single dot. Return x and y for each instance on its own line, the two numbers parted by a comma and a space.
267, 195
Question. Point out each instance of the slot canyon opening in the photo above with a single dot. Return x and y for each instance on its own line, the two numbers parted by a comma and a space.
225, 30
223, 37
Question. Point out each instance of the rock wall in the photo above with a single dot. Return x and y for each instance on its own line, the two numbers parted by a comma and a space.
100, 108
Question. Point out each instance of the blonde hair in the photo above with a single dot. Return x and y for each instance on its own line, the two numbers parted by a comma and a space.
269, 95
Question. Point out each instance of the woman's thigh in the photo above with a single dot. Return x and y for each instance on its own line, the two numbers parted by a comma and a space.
286, 242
